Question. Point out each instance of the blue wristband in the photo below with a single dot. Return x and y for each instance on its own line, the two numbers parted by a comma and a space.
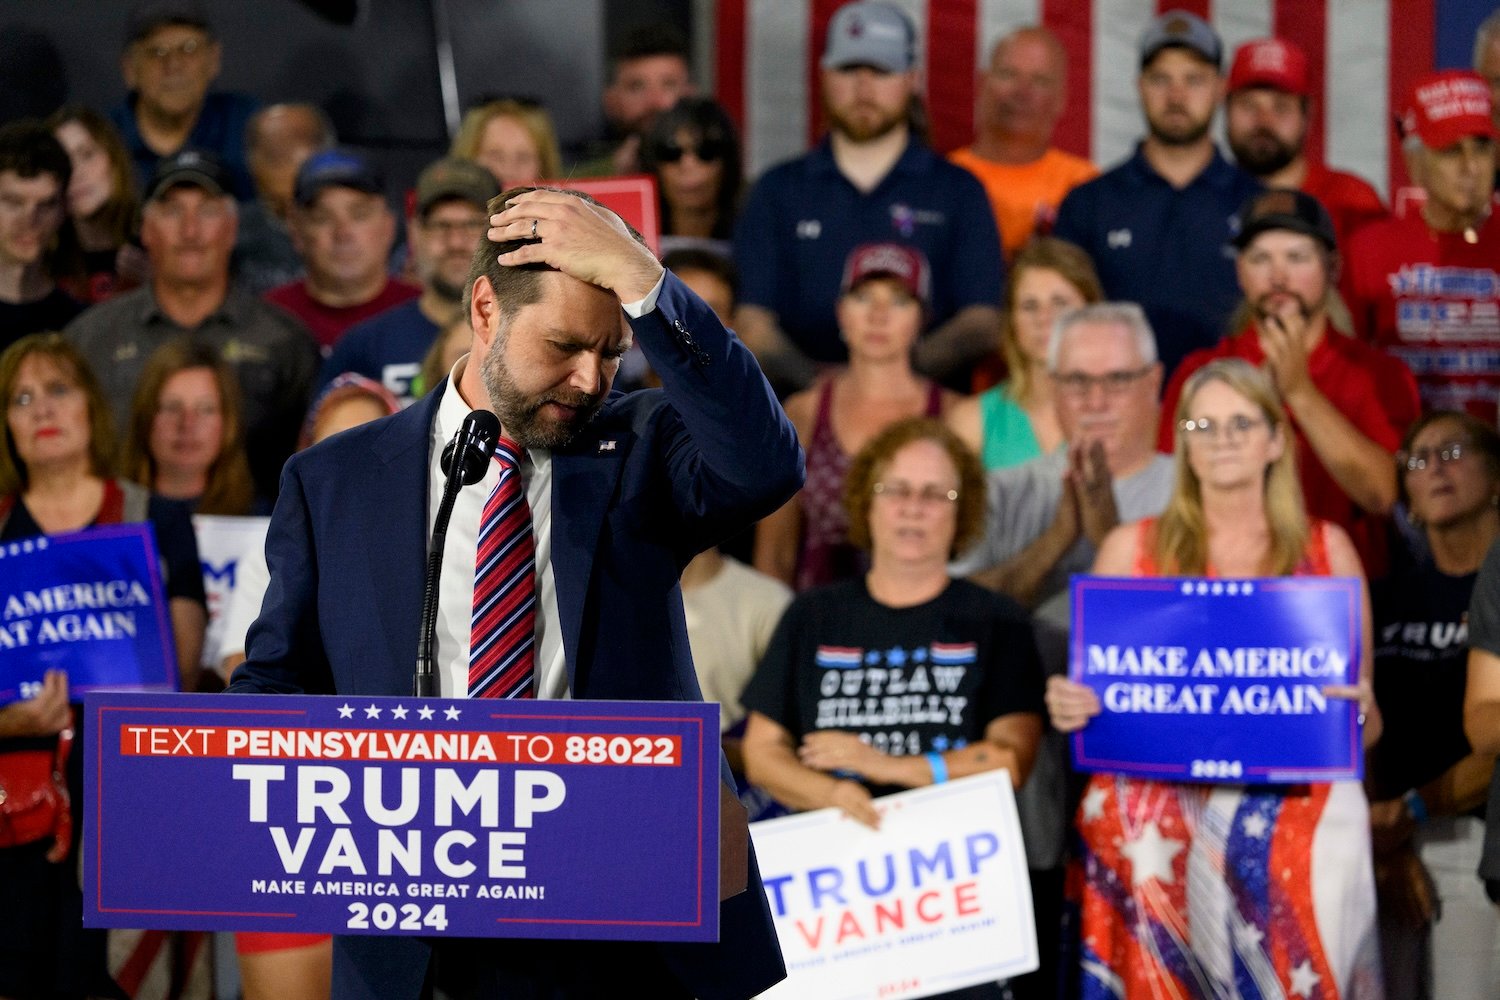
1415, 806
939, 767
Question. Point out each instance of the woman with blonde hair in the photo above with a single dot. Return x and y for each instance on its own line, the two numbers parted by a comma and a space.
185, 439
512, 139
1188, 888
1015, 420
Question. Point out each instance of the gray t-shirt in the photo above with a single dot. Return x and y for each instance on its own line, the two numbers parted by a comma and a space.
1023, 500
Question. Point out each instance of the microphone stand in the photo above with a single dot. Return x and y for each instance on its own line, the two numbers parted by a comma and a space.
464, 461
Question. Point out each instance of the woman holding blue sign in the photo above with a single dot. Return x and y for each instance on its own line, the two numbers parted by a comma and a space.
55, 479
1227, 890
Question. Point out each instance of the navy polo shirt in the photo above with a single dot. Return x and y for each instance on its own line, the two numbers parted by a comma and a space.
388, 347
803, 217
220, 129
1163, 248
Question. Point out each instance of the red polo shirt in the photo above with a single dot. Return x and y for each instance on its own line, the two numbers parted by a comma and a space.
1373, 390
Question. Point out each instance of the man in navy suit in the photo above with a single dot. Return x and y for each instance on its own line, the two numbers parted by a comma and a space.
623, 489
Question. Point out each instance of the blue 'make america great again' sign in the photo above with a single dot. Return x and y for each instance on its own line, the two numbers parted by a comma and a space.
1219, 680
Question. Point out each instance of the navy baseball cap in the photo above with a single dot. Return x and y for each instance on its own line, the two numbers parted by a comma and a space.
336, 168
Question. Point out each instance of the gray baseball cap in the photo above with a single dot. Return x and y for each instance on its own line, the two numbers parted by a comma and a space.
870, 33
1184, 30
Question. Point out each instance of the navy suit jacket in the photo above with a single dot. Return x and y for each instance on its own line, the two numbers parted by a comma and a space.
655, 478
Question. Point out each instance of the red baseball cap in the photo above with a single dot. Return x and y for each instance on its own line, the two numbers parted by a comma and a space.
904, 264
1448, 106
1270, 62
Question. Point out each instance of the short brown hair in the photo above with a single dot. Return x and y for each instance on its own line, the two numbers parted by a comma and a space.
874, 458
1483, 438
229, 488
72, 363
516, 286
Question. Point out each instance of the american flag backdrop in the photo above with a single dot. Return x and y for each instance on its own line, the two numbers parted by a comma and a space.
1364, 56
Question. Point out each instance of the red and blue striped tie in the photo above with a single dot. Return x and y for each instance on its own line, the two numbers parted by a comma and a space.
502, 634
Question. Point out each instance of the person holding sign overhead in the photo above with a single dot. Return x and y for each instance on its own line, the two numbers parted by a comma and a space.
1212, 890
56, 478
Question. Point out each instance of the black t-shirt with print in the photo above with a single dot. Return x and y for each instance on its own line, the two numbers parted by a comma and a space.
906, 680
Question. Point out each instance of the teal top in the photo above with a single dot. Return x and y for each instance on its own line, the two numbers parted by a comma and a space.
1005, 430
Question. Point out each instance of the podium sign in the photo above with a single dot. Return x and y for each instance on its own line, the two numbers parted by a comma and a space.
425, 816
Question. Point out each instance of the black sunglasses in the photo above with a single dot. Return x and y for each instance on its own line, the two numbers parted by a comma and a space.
709, 151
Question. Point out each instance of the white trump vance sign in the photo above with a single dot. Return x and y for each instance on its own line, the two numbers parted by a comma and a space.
935, 900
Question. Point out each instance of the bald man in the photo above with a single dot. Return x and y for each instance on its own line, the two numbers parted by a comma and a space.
1021, 97
277, 139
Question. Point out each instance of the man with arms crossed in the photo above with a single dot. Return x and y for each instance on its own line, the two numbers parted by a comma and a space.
622, 490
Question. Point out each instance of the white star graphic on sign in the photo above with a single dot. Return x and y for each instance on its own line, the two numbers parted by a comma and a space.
1093, 802
345, 711
1304, 979
373, 712
1151, 856
399, 712
451, 712
1255, 825
425, 712
1249, 936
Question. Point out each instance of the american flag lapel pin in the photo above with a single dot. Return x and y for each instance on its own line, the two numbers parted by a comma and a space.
607, 445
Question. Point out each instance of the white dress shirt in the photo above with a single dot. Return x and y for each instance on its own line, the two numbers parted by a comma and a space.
456, 590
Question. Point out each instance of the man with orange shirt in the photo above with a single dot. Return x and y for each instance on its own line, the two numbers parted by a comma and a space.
1265, 120
1020, 100
1349, 403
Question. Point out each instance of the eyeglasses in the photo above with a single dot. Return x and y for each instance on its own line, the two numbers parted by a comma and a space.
707, 151
928, 496
446, 227
1422, 458
186, 49
1113, 383
54, 391
1234, 429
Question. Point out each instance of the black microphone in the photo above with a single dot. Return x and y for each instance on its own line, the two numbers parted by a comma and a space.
475, 441
464, 461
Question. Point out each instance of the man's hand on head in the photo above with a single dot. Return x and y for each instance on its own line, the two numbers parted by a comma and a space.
587, 242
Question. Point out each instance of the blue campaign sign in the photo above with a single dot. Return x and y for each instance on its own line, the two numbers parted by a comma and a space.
1219, 680
334, 814
89, 603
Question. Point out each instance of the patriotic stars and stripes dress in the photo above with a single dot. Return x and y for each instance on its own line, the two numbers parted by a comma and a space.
1227, 891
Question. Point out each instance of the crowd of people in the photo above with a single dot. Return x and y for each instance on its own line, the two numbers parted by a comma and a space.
1004, 367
